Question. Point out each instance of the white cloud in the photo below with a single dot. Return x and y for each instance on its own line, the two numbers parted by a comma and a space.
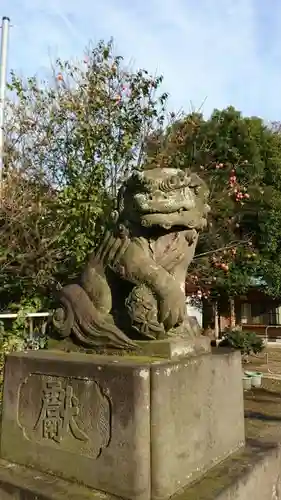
227, 51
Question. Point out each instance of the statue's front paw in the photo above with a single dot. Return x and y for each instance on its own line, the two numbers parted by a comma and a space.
172, 308
62, 320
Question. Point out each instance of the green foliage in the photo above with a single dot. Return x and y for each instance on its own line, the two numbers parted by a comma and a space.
246, 342
8, 343
69, 143
240, 159
17, 336
20, 326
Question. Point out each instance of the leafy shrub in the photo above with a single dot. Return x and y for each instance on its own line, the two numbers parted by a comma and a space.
246, 342
9, 342
17, 337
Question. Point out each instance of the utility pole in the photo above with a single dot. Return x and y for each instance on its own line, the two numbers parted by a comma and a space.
3, 81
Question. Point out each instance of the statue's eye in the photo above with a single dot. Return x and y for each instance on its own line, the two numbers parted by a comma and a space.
173, 180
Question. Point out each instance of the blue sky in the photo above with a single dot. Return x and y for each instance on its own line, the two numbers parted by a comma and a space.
211, 52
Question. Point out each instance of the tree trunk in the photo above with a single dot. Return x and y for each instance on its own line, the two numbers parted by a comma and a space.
208, 314
232, 313
216, 320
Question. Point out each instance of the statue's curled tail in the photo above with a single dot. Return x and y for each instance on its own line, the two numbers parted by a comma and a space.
78, 314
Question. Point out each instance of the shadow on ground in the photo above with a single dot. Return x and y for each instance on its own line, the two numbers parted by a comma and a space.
263, 412
262, 416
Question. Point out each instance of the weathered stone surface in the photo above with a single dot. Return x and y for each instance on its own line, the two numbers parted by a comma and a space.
196, 418
134, 427
251, 474
175, 347
133, 285
22, 483
82, 417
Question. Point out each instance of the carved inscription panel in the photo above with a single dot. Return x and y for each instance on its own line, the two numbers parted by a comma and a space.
68, 413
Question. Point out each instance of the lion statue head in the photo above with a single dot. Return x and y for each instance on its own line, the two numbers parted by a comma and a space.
166, 197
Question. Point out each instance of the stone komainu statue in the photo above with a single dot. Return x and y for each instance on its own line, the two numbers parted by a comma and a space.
133, 286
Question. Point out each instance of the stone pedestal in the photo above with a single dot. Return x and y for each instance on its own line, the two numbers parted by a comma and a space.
252, 473
175, 347
133, 427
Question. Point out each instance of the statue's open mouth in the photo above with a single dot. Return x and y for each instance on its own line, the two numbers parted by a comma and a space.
190, 219
181, 207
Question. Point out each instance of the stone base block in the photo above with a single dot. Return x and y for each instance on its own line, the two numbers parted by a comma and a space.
133, 427
84, 418
253, 473
22, 483
174, 348
197, 418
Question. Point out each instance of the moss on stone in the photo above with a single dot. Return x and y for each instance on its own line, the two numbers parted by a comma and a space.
229, 472
21, 482
67, 347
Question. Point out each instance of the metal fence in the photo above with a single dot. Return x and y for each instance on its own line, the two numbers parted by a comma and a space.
33, 320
